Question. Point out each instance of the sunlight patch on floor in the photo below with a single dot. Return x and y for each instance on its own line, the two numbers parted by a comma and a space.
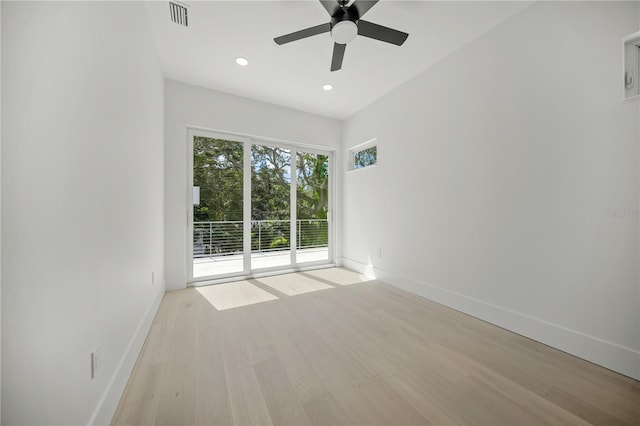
339, 276
294, 284
234, 294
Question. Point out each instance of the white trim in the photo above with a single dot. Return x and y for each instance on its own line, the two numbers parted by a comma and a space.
189, 220
261, 273
610, 355
246, 210
293, 206
106, 407
630, 37
333, 193
352, 170
366, 144
282, 143
625, 39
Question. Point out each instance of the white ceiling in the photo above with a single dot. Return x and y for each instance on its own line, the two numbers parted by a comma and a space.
292, 75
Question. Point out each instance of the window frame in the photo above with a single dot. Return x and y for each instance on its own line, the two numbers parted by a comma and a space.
371, 143
248, 141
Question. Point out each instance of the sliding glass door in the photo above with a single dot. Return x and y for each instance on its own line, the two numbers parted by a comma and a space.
312, 207
218, 207
270, 207
256, 206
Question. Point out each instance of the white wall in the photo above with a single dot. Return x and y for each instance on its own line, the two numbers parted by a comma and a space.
82, 194
0, 216
188, 105
508, 182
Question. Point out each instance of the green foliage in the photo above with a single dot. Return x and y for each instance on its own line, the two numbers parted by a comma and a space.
366, 157
313, 186
217, 170
279, 242
270, 183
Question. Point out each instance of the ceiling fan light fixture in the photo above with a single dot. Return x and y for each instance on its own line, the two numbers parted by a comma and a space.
344, 31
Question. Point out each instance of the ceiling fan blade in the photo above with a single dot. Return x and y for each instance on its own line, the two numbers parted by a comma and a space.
307, 32
363, 6
338, 56
378, 32
331, 6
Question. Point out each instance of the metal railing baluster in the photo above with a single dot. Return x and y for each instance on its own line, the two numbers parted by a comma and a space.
220, 238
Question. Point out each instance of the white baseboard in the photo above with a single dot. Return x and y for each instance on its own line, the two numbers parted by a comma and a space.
607, 354
108, 403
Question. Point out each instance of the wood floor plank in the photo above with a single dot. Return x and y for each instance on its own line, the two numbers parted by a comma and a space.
305, 380
302, 376
178, 396
325, 411
590, 412
334, 376
340, 350
280, 395
390, 407
212, 405
142, 396
424, 394
247, 401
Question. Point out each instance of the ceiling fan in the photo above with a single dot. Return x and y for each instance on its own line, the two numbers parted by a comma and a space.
344, 26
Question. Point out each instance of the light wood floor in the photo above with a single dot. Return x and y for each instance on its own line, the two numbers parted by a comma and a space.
365, 354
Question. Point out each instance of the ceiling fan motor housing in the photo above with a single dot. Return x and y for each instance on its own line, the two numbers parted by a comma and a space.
343, 25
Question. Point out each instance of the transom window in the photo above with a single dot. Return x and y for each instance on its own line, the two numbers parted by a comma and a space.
363, 155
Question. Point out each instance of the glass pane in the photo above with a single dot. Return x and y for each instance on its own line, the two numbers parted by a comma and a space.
270, 206
312, 172
217, 206
366, 157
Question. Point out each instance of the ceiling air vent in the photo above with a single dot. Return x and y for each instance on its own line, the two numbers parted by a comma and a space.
178, 13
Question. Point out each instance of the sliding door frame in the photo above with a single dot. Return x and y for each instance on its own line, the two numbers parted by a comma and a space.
248, 142
246, 202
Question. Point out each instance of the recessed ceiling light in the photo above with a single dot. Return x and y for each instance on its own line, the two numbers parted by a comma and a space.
327, 87
242, 61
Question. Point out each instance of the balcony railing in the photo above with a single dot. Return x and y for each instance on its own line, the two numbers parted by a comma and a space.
221, 238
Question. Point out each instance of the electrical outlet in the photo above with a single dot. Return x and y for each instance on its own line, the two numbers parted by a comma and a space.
95, 362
